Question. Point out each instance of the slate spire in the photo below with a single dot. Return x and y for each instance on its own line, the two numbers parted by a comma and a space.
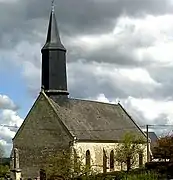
54, 78
53, 38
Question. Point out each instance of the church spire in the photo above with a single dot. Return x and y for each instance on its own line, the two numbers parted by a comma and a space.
54, 80
53, 39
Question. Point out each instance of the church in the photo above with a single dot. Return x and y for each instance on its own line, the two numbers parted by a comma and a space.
56, 121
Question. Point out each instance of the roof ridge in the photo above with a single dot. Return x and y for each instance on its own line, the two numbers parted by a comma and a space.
131, 119
25, 119
95, 101
55, 110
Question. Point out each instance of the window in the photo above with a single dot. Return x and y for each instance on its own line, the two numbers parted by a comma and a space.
104, 161
128, 163
75, 156
112, 160
88, 158
140, 159
75, 161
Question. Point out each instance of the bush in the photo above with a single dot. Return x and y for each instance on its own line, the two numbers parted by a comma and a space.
4, 170
162, 168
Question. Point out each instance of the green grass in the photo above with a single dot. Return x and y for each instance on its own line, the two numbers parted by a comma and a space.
124, 176
142, 176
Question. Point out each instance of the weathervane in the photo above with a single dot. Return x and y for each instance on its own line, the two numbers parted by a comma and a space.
53, 6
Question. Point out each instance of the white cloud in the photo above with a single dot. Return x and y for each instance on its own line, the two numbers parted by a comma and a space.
9, 121
102, 98
6, 134
152, 109
155, 113
138, 75
6, 103
10, 118
92, 42
154, 32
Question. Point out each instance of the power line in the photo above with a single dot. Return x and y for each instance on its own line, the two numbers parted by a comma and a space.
126, 128
160, 125
4, 125
114, 129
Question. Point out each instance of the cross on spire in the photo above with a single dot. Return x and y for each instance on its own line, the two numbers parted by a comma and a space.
53, 6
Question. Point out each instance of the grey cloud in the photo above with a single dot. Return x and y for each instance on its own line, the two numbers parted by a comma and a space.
20, 19
164, 76
86, 16
77, 17
27, 20
84, 82
117, 55
121, 50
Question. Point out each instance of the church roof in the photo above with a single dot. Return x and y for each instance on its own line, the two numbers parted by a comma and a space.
153, 137
95, 121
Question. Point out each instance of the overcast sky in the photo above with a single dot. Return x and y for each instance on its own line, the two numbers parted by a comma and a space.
118, 50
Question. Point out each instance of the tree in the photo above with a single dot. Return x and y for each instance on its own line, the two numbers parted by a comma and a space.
4, 165
128, 151
2, 151
66, 165
164, 148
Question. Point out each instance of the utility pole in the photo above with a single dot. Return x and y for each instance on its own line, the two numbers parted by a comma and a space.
148, 151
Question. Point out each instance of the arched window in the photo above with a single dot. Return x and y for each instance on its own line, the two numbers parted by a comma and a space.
75, 156
104, 161
128, 163
75, 161
140, 159
88, 158
112, 160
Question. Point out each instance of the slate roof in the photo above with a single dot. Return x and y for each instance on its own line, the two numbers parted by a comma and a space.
153, 138
90, 120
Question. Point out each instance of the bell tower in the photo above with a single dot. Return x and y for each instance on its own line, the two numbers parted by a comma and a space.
54, 78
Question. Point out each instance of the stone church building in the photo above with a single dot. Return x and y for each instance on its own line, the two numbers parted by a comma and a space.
57, 122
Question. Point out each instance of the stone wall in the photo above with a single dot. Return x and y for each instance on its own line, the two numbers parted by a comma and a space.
96, 151
40, 135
